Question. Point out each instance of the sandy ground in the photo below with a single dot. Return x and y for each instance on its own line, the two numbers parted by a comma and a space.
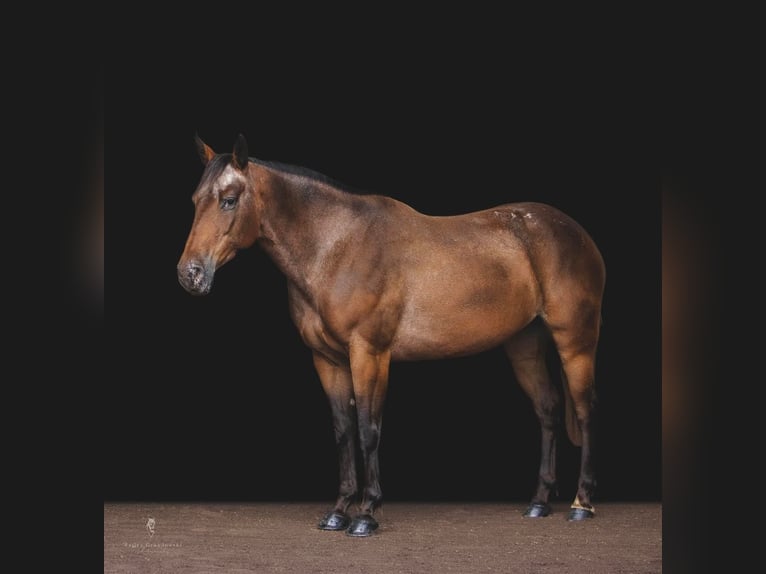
413, 538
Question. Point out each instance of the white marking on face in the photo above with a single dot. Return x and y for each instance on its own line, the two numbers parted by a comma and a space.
229, 176
528, 215
352, 402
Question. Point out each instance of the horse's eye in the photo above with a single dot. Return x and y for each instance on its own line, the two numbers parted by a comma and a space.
228, 202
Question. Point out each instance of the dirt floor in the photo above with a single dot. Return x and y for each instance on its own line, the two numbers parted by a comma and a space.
413, 538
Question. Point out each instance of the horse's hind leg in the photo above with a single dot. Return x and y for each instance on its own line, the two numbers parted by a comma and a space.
577, 350
336, 381
527, 353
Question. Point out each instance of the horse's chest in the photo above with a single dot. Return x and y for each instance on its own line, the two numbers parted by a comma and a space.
327, 322
315, 330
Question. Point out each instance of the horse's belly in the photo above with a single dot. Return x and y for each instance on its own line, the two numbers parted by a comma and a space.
464, 305
433, 334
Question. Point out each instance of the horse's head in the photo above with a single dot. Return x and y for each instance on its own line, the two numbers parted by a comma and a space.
225, 216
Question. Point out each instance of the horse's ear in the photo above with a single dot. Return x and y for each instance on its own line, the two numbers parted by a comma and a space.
240, 152
205, 151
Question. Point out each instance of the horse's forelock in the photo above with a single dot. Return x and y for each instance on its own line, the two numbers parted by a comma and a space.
213, 171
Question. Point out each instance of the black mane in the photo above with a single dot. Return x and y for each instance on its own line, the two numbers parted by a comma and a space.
307, 173
219, 162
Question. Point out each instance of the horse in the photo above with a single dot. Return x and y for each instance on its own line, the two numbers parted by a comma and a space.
371, 280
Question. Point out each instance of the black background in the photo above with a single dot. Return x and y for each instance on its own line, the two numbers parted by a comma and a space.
215, 398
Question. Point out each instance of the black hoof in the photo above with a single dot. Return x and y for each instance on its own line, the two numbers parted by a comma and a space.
537, 510
334, 520
363, 525
577, 514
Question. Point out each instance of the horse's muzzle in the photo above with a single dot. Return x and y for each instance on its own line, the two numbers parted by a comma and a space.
193, 277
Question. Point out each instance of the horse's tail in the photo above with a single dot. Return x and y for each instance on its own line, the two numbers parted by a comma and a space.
570, 418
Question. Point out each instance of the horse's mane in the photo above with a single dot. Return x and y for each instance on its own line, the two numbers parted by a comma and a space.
310, 174
220, 161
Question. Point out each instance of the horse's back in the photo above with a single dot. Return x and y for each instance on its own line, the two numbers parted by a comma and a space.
525, 238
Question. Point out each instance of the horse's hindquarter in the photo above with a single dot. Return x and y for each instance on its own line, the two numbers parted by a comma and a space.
567, 266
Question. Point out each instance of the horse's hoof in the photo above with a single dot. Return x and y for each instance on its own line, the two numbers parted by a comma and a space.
537, 510
577, 514
363, 525
334, 520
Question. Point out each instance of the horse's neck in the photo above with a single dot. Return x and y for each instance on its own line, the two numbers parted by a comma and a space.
302, 222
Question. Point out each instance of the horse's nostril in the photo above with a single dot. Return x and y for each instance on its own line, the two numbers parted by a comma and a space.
194, 270
190, 273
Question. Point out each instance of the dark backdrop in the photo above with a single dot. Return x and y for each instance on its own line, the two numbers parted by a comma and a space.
215, 398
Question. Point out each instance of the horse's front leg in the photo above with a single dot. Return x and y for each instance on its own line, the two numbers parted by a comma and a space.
369, 368
336, 381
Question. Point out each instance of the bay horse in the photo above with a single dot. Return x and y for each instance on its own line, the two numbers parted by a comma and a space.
371, 280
